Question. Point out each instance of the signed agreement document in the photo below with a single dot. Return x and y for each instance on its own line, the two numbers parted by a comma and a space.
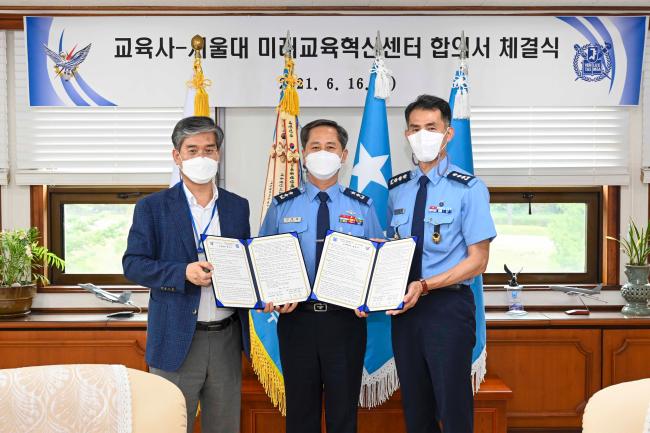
249, 273
361, 274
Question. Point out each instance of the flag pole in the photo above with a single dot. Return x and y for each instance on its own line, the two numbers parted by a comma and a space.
196, 99
283, 169
460, 154
283, 173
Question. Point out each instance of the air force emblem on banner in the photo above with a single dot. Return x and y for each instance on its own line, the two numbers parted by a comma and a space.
592, 62
66, 64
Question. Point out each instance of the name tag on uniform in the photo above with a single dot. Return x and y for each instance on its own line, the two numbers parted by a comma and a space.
399, 211
439, 209
288, 220
350, 219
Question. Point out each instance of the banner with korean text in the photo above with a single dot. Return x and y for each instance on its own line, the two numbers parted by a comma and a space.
130, 61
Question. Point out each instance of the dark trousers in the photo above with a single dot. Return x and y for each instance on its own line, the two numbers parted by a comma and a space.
433, 345
322, 352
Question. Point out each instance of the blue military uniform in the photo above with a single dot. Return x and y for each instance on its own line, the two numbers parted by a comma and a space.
433, 341
321, 345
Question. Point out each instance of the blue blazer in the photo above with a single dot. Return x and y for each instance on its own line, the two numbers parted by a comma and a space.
160, 246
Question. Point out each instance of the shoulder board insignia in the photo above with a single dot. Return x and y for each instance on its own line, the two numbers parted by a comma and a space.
399, 179
460, 177
356, 195
286, 196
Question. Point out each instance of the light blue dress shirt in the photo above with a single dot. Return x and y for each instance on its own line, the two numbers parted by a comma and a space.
296, 211
457, 202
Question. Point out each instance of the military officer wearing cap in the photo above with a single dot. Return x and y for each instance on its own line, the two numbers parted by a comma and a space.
433, 336
322, 346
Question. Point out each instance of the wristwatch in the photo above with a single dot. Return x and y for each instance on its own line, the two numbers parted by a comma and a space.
425, 287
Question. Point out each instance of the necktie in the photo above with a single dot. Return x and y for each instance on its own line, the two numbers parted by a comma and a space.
322, 225
417, 228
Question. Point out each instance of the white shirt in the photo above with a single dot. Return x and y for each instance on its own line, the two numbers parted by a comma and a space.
208, 310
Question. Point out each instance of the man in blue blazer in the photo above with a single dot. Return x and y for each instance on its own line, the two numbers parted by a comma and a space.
190, 341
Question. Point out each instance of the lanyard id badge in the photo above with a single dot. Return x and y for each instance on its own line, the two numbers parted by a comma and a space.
200, 238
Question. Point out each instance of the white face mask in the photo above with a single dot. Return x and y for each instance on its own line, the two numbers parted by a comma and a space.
323, 164
426, 144
200, 169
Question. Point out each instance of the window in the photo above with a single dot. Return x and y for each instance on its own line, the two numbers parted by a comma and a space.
88, 228
552, 234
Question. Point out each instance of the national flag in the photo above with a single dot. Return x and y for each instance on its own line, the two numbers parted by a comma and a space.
283, 174
459, 151
370, 175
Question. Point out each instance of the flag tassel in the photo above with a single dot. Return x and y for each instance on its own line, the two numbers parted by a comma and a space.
461, 105
200, 83
290, 102
384, 79
460, 87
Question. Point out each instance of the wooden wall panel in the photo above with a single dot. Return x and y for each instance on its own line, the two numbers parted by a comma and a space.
21, 348
38, 210
552, 373
259, 415
490, 406
612, 227
626, 355
386, 418
486, 419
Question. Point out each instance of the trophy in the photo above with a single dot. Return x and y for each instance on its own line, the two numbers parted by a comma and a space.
514, 292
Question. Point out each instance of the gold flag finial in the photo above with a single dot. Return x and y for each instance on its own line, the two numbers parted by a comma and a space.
197, 44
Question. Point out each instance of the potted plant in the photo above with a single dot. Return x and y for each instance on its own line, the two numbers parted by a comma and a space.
637, 290
21, 262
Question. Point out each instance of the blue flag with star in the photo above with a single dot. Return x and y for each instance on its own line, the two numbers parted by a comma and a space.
372, 168
459, 151
370, 174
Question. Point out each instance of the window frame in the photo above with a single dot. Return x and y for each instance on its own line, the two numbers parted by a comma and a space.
57, 197
593, 198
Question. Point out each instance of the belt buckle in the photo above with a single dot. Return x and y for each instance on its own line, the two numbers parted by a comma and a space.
320, 307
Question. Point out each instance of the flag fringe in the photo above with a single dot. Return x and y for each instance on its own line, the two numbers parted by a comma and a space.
378, 387
479, 369
266, 371
383, 80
